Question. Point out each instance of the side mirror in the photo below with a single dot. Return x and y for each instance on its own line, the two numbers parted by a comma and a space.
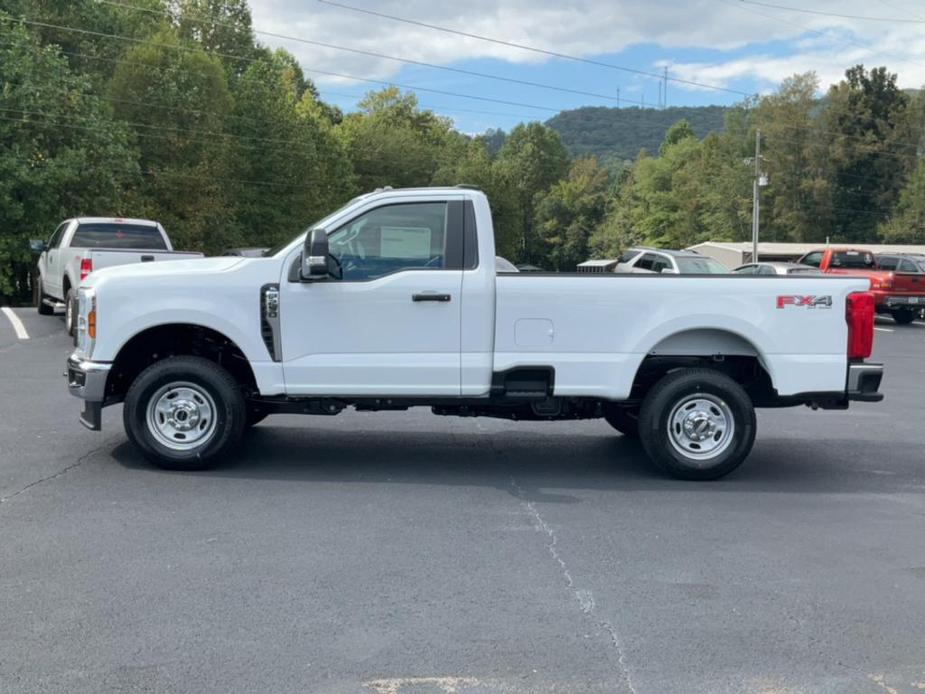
315, 256
37, 245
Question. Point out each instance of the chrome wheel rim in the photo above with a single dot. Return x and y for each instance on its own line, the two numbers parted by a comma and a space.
701, 427
181, 416
69, 315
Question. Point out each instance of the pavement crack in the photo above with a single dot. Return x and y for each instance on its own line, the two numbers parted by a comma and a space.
59, 473
584, 598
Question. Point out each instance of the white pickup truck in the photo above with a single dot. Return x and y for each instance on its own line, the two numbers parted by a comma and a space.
85, 244
394, 301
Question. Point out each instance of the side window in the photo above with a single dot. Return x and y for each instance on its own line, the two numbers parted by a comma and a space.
766, 270
627, 256
410, 236
660, 264
645, 262
55, 239
745, 270
813, 259
907, 266
888, 263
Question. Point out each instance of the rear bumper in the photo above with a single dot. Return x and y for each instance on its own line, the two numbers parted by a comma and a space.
904, 302
864, 382
87, 380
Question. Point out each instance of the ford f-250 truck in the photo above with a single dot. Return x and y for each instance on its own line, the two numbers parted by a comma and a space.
82, 245
394, 301
900, 294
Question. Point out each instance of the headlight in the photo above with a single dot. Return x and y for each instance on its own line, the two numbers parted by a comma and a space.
86, 320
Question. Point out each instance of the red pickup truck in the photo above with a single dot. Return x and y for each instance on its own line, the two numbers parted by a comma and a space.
900, 294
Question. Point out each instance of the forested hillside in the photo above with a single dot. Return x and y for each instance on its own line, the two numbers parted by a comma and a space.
617, 134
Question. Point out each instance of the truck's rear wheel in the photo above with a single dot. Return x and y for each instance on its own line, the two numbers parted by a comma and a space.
697, 424
623, 419
184, 413
904, 315
40, 296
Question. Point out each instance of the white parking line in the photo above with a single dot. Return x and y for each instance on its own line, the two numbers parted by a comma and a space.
884, 330
17, 323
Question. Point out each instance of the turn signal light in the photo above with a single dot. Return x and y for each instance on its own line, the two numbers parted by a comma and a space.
86, 267
859, 313
91, 324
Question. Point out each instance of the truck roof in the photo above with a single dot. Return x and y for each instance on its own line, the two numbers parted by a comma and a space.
115, 220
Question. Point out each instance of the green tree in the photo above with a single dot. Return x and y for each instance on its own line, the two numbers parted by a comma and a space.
797, 205
218, 26
61, 153
865, 114
294, 169
908, 223
530, 162
570, 212
392, 142
177, 102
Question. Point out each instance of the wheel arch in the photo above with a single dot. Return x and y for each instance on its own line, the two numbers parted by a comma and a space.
165, 340
727, 350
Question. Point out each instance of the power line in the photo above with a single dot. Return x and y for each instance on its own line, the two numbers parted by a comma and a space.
312, 70
374, 54
533, 49
823, 13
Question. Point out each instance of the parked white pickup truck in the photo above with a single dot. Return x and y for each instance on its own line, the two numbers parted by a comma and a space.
394, 301
86, 244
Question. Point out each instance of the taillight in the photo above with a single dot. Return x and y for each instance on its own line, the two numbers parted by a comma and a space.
86, 267
859, 312
882, 282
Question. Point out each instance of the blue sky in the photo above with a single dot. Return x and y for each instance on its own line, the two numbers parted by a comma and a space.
737, 45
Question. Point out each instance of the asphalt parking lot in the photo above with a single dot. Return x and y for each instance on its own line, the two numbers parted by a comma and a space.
403, 553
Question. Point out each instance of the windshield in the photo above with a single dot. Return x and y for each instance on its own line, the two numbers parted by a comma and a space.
320, 223
114, 235
701, 266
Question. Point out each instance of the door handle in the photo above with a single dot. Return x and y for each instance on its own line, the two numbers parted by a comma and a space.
430, 296
147, 258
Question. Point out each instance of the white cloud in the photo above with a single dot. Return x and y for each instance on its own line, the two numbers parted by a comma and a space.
588, 28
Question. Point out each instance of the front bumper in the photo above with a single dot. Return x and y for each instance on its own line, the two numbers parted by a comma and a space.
864, 382
87, 380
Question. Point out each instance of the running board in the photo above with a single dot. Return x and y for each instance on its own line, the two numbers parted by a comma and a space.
56, 305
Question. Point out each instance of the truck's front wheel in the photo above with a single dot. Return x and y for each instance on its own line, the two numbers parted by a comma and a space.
697, 424
184, 413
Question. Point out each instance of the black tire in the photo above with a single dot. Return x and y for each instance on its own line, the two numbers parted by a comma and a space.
904, 316
70, 314
40, 296
205, 380
623, 419
714, 397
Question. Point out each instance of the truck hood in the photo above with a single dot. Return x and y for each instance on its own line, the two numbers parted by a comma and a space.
163, 268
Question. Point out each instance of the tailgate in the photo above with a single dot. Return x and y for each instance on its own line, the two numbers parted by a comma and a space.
908, 283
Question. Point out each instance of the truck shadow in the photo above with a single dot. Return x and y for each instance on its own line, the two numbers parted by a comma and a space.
525, 462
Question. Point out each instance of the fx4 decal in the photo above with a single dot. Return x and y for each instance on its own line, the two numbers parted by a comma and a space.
807, 301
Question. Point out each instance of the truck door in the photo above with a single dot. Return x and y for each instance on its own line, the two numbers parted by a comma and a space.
391, 324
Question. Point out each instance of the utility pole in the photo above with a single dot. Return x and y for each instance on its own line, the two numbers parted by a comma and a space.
618, 97
665, 90
756, 197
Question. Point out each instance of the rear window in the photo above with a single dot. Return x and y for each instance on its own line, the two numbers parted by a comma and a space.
110, 235
858, 260
701, 266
